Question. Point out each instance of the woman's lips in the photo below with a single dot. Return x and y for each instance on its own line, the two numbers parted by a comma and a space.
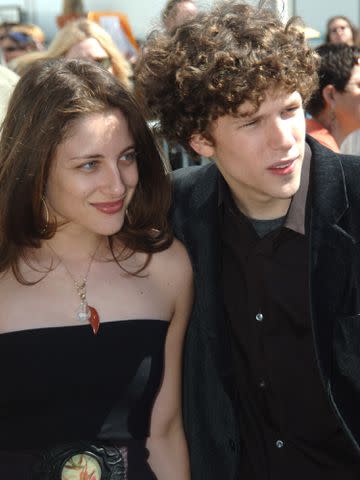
109, 207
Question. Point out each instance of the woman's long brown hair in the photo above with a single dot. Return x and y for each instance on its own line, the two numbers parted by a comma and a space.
45, 103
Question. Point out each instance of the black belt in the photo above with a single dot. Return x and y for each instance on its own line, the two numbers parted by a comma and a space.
75, 461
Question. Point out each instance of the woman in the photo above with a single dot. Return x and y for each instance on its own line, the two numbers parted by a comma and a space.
95, 293
81, 39
335, 106
339, 29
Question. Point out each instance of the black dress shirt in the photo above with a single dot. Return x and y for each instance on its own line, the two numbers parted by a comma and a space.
288, 428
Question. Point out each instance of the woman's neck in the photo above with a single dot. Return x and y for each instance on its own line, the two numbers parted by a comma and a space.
328, 120
75, 245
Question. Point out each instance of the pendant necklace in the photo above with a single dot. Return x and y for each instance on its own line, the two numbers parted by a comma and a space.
85, 312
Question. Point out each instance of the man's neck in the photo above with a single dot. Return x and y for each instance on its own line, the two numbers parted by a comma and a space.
262, 210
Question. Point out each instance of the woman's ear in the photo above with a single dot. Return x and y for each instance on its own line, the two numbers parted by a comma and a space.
201, 145
328, 94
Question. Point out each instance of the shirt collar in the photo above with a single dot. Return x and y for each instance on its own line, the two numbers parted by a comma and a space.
295, 218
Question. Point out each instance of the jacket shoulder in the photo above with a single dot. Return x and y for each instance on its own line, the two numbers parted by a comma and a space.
192, 186
337, 167
186, 178
351, 169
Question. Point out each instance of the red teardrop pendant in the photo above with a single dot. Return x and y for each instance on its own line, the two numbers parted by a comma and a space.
94, 319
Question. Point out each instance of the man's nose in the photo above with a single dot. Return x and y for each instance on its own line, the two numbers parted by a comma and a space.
281, 134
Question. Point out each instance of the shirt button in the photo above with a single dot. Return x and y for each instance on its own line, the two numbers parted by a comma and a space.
279, 444
259, 317
232, 444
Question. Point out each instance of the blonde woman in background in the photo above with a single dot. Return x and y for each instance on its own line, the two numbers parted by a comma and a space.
81, 39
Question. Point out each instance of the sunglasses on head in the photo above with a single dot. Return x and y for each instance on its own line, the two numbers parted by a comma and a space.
19, 37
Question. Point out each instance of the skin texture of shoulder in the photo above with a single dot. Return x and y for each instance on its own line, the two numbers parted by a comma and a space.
166, 433
172, 267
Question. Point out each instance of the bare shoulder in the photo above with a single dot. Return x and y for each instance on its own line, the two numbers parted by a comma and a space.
174, 262
171, 270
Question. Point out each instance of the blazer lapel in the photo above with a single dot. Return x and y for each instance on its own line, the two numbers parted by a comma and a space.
329, 246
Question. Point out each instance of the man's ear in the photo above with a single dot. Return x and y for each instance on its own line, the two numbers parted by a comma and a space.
201, 145
328, 94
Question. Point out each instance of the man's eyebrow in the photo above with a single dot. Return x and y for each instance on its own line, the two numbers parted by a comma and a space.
247, 115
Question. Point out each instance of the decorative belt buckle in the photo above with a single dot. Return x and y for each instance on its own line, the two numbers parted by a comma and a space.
83, 462
82, 466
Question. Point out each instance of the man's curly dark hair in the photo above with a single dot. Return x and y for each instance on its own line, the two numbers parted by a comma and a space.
335, 68
217, 61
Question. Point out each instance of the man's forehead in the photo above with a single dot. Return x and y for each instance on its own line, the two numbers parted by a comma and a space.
268, 99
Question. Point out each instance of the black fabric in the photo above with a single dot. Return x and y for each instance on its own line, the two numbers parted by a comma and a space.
212, 420
263, 227
286, 417
64, 385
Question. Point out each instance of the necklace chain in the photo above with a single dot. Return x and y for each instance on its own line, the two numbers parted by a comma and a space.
80, 285
85, 312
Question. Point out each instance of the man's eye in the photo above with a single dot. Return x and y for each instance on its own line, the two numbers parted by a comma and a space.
248, 124
292, 110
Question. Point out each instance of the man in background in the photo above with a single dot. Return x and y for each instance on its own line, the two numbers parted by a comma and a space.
177, 12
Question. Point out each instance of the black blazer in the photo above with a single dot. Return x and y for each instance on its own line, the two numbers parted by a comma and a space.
211, 419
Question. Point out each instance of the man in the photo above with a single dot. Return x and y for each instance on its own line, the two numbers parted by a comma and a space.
272, 358
177, 12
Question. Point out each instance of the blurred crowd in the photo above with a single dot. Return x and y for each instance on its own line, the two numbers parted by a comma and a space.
333, 114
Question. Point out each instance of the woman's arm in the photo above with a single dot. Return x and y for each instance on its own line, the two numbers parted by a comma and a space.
167, 446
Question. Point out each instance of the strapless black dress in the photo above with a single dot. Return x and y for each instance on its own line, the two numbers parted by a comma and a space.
73, 401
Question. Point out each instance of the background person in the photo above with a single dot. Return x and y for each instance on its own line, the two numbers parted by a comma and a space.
93, 288
15, 44
82, 39
177, 12
8, 81
34, 31
340, 29
335, 105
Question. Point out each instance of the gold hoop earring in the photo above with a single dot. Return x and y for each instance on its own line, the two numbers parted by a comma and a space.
47, 215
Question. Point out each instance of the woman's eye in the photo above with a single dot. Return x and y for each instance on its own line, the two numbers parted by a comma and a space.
128, 157
89, 166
